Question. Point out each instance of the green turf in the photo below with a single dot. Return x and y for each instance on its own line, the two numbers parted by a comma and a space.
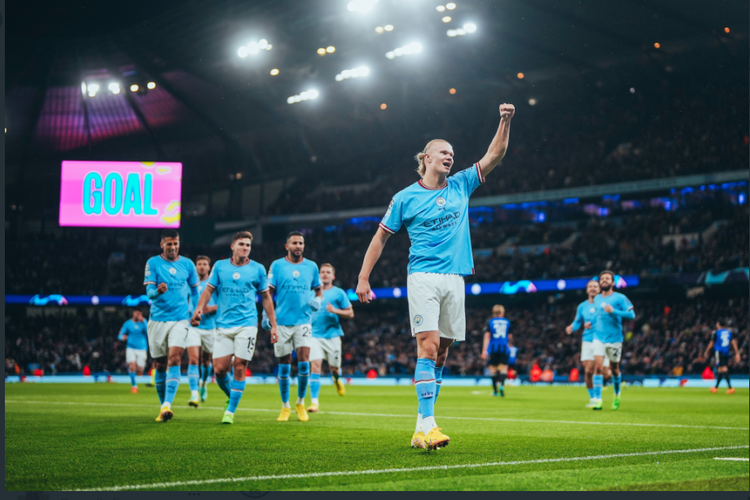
55, 442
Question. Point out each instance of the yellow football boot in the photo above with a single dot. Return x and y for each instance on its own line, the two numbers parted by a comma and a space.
165, 414
435, 439
301, 413
417, 440
284, 415
313, 408
340, 387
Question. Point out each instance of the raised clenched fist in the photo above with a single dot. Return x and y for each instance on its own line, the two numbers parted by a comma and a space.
507, 111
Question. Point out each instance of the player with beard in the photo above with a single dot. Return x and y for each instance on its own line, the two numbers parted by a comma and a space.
205, 329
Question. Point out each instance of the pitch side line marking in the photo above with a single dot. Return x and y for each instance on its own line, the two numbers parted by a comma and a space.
402, 416
733, 459
408, 469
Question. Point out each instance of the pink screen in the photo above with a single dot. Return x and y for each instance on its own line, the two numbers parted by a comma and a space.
120, 194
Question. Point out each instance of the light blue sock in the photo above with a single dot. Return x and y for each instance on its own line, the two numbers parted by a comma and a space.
591, 393
205, 373
598, 383
284, 372
617, 381
238, 388
303, 373
193, 377
173, 382
160, 379
132, 378
438, 380
314, 385
424, 381
225, 383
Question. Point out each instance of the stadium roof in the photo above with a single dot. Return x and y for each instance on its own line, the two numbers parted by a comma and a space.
224, 115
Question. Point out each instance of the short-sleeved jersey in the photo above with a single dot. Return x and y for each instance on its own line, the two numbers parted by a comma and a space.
512, 353
208, 321
179, 275
437, 221
238, 287
609, 325
499, 329
585, 313
722, 339
325, 325
293, 283
136, 332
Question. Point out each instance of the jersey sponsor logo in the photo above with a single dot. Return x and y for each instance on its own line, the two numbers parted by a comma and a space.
172, 271
236, 276
440, 201
442, 222
418, 320
295, 273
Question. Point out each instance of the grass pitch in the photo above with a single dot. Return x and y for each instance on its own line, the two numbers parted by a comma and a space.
89, 436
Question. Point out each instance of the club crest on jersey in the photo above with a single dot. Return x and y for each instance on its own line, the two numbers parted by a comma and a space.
440, 201
295, 273
172, 271
592, 310
236, 276
418, 320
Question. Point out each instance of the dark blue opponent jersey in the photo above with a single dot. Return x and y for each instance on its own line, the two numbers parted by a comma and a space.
721, 339
498, 328
512, 353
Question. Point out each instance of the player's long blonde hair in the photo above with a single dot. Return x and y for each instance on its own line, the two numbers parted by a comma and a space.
422, 168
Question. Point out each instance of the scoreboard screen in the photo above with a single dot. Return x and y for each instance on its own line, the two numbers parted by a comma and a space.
120, 194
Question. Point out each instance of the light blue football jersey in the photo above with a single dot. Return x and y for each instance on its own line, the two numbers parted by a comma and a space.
179, 276
238, 287
609, 325
293, 283
585, 313
208, 321
136, 332
437, 221
326, 325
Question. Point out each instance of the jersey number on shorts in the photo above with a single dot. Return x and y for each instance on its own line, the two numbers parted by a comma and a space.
251, 344
305, 331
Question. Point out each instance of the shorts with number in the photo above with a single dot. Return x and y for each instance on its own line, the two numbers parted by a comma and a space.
202, 338
165, 334
291, 338
137, 356
721, 359
436, 302
238, 342
611, 351
328, 349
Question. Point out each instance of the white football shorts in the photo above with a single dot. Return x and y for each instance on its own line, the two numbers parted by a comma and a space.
165, 334
137, 356
436, 302
328, 349
292, 337
238, 342
611, 351
587, 353
201, 337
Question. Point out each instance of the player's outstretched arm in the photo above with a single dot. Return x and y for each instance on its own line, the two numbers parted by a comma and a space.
364, 292
267, 302
499, 144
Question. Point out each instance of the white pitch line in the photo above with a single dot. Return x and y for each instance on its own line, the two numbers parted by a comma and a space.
733, 459
407, 469
491, 419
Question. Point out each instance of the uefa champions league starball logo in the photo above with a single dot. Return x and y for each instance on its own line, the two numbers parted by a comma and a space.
172, 271
418, 320
295, 273
236, 276
440, 201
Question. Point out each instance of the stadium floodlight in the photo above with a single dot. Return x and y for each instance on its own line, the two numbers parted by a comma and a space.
532, 102
151, 85
440, 8
321, 51
304, 96
450, 6
254, 48
243, 52
353, 73
274, 72
330, 49
83, 88
447, 19
470, 27
361, 5
114, 87
388, 27
134, 88
262, 44
379, 30
412, 48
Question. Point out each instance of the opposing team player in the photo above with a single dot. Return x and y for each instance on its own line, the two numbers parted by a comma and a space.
721, 339
495, 346
205, 329
326, 335
170, 279
435, 211
293, 277
611, 308
133, 331
238, 281
586, 318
